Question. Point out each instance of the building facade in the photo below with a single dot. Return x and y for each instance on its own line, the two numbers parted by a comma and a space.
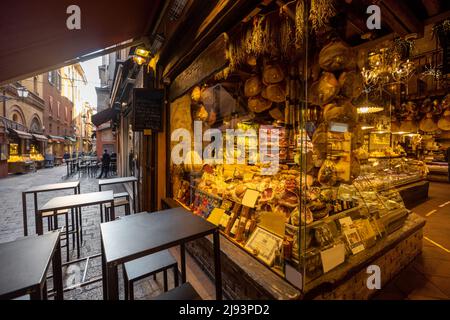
22, 115
105, 132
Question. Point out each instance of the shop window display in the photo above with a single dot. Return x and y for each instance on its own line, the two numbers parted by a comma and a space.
332, 192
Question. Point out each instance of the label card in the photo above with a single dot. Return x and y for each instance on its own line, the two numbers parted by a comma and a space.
250, 198
215, 216
346, 222
332, 257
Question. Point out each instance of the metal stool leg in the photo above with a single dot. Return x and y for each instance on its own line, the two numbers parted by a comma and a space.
126, 283
67, 235
131, 290
81, 225
175, 275
165, 280
72, 228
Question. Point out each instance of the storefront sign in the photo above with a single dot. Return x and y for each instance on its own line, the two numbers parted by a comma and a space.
210, 61
148, 107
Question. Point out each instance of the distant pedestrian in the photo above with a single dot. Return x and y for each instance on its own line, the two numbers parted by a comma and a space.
106, 160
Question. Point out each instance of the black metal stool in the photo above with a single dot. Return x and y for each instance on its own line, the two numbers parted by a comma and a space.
146, 266
183, 292
120, 199
74, 231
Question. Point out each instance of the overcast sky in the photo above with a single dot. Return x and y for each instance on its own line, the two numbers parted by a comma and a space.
91, 70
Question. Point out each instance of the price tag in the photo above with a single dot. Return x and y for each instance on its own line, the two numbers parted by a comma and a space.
332, 257
216, 216
250, 198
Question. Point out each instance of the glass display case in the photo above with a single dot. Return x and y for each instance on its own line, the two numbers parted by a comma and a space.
271, 148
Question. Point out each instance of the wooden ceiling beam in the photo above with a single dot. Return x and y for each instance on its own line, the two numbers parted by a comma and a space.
433, 7
402, 13
391, 20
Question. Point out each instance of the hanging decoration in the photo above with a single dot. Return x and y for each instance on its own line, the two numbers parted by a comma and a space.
274, 35
287, 36
320, 13
299, 23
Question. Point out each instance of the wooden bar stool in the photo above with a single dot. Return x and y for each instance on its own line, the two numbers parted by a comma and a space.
120, 199
146, 266
183, 292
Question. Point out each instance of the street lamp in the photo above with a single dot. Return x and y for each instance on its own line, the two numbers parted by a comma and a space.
22, 92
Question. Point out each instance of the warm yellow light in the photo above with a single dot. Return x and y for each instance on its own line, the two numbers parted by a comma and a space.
370, 109
142, 52
139, 60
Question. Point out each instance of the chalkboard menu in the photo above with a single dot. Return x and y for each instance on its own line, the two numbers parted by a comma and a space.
148, 106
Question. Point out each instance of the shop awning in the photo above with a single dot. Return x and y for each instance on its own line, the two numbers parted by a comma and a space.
35, 38
40, 137
21, 134
57, 138
71, 139
104, 116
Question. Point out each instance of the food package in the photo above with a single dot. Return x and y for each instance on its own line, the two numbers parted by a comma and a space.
427, 124
361, 154
239, 191
267, 195
408, 125
351, 83
288, 199
273, 73
335, 56
276, 93
258, 104
444, 122
343, 169
358, 137
251, 60
325, 89
196, 94
201, 113
284, 211
427, 106
253, 86
305, 217
320, 140
327, 173
355, 168
345, 112
276, 114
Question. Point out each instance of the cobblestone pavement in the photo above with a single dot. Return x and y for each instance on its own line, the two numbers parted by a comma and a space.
11, 228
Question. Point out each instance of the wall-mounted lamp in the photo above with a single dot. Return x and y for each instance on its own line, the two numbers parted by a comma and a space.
139, 60
22, 92
142, 52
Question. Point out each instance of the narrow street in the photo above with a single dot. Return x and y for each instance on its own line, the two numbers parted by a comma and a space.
11, 228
